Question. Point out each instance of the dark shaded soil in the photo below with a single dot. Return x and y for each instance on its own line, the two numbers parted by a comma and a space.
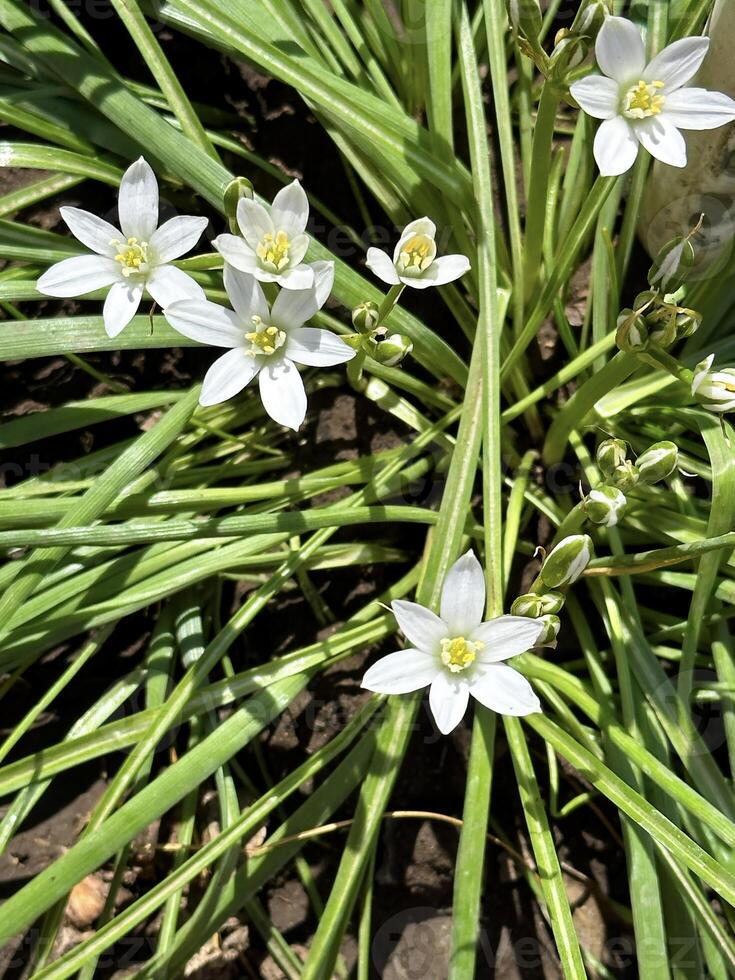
413, 893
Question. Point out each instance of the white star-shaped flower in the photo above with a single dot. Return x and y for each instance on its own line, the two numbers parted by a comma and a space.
414, 261
263, 342
273, 244
132, 261
646, 103
456, 654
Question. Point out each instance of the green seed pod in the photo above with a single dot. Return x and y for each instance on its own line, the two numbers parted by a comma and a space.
552, 625
632, 334
535, 605
611, 453
567, 561
658, 462
605, 505
237, 189
365, 317
625, 476
672, 265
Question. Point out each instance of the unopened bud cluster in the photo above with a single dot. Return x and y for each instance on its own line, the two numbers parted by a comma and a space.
374, 340
606, 503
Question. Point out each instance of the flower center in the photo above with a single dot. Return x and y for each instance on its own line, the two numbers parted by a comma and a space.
643, 100
273, 250
132, 256
264, 339
417, 254
458, 653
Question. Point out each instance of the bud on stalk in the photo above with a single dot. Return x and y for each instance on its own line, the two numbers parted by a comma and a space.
605, 505
567, 561
535, 605
658, 462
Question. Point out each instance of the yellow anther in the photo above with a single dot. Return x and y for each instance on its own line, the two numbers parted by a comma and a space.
264, 339
273, 250
458, 653
417, 253
132, 256
643, 100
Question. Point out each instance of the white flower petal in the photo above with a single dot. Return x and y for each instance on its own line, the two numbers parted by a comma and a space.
205, 322
138, 201
506, 637
254, 221
317, 348
421, 226
246, 295
290, 209
323, 280
420, 625
678, 63
697, 108
227, 377
237, 252
79, 275
615, 147
463, 596
121, 305
662, 140
293, 307
299, 246
94, 232
176, 237
619, 50
448, 699
504, 690
401, 672
299, 277
167, 284
282, 392
445, 269
381, 265
598, 95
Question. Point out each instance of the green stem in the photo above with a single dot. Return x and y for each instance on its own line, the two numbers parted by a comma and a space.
391, 298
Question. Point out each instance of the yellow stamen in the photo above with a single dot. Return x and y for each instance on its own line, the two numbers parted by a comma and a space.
273, 250
264, 339
417, 254
458, 653
132, 256
643, 100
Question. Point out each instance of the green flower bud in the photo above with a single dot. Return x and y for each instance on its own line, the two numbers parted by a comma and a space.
526, 16
605, 505
567, 561
389, 350
632, 334
687, 324
365, 317
625, 476
672, 265
535, 605
590, 19
237, 189
611, 453
552, 625
662, 327
645, 301
658, 462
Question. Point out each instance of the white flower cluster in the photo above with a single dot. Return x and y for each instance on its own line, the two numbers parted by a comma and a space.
261, 340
